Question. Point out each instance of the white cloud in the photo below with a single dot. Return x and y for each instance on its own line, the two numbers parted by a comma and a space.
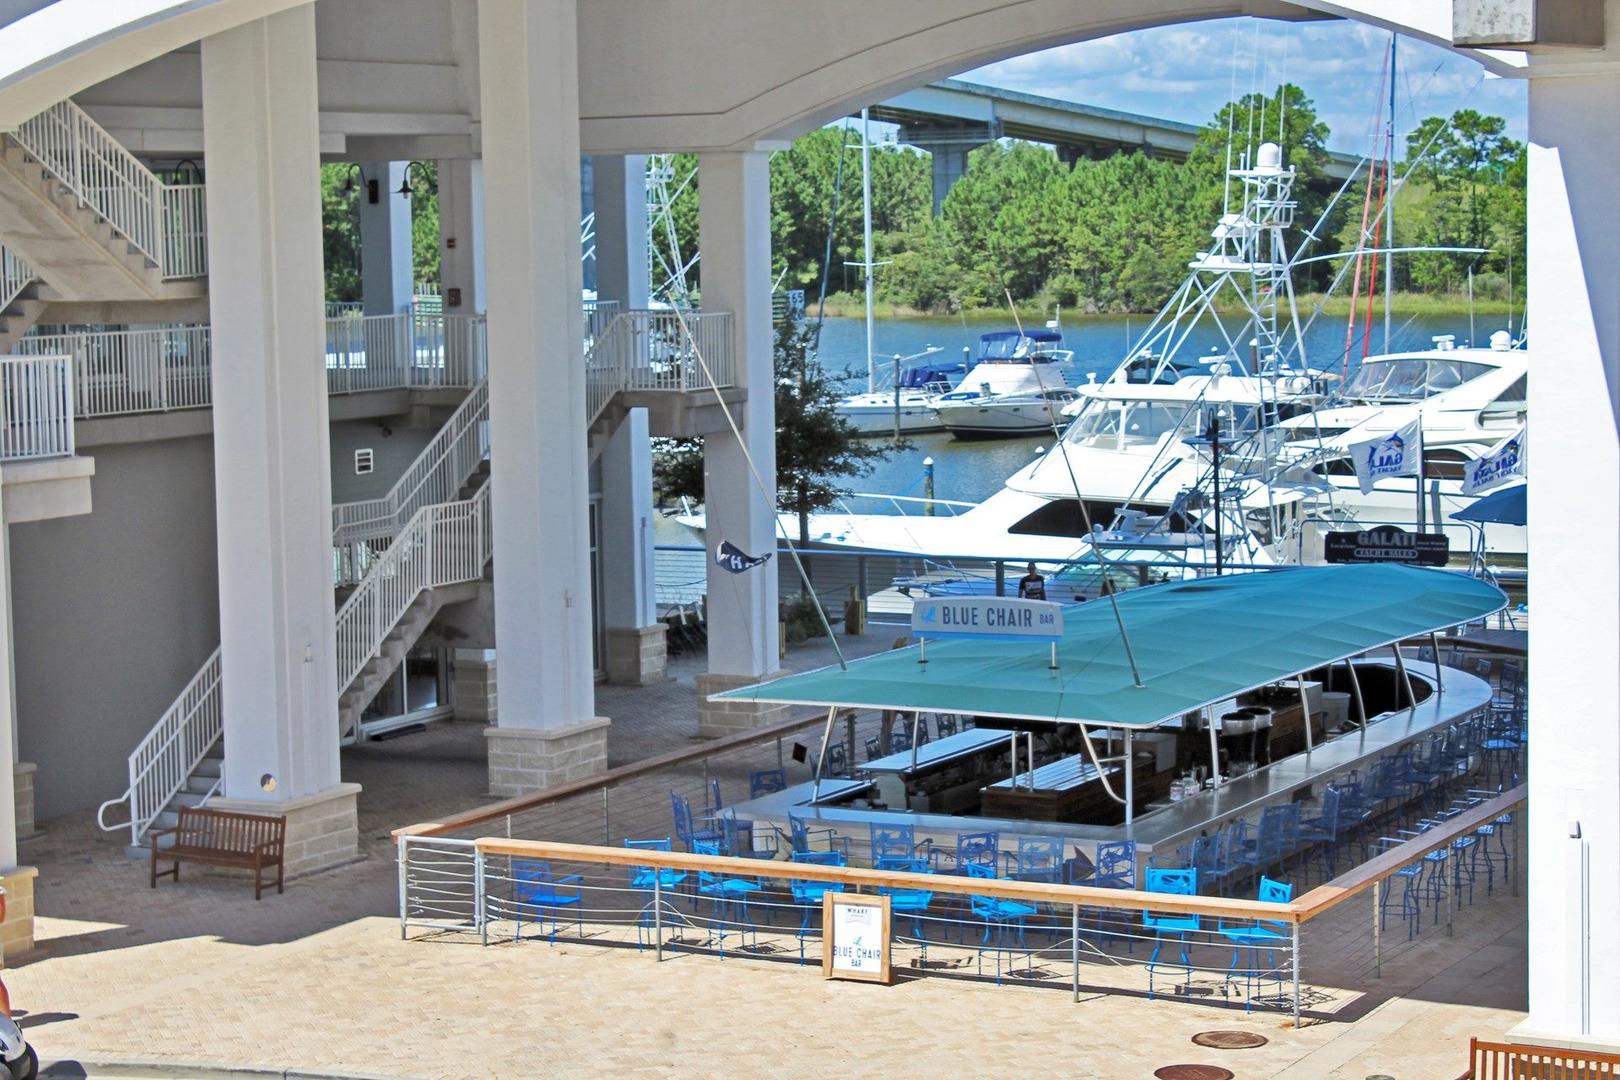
1187, 72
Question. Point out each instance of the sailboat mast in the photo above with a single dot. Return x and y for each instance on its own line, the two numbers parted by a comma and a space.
1389, 202
866, 225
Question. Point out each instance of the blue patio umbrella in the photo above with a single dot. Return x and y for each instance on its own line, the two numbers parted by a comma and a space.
1504, 507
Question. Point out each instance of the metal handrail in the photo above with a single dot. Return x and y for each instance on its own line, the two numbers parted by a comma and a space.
15, 276
36, 407
651, 350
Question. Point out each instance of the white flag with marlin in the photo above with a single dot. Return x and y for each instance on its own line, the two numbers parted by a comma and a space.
1506, 461
1395, 454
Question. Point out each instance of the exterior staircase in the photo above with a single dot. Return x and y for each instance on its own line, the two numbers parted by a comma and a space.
20, 302
91, 219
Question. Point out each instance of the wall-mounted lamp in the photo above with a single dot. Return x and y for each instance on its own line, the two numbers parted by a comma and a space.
188, 163
404, 191
372, 193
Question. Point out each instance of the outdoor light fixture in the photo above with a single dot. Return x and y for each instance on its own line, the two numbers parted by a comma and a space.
196, 170
404, 191
372, 194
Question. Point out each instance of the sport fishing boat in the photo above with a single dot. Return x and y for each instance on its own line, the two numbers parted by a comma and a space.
1465, 400
906, 408
1019, 386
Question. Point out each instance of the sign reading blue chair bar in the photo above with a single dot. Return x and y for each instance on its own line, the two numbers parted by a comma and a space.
986, 618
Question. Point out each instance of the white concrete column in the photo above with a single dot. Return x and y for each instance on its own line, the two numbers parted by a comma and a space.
734, 191
385, 241
528, 53
461, 235
17, 932
622, 269
635, 638
1574, 319
272, 474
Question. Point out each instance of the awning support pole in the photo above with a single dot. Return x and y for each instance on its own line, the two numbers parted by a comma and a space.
1361, 704
1214, 753
1102, 773
1029, 756
1014, 741
1305, 708
1130, 784
916, 721
1406, 680
821, 762
1439, 680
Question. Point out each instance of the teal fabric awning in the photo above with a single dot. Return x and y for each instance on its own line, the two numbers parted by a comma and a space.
1195, 643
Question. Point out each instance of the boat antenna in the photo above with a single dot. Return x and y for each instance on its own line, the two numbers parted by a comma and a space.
832, 231
866, 228
1389, 205
1085, 512
759, 482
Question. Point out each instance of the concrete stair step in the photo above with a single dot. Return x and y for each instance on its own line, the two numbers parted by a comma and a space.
186, 798
210, 767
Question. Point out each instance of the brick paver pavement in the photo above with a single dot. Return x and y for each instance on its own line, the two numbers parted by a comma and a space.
318, 978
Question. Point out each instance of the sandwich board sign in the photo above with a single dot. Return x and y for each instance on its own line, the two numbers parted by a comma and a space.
855, 937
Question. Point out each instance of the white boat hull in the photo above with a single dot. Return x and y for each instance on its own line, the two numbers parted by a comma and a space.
989, 420
873, 419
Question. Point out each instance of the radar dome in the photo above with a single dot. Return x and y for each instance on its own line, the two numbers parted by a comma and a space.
1269, 158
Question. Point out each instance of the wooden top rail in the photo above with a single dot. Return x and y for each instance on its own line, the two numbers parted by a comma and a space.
1361, 878
1006, 888
479, 815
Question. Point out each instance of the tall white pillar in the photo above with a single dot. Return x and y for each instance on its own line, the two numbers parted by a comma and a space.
734, 219
636, 652
623, 272
1574, 320
272, 473
385, 241
17, 932
461, 236
548, 734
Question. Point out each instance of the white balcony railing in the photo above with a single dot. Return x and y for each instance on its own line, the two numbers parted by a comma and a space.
442, 544
15, 276
36, 407
404, 351
165, 222
651, 350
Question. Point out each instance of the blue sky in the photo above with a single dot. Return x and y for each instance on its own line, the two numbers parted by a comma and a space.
1185, 73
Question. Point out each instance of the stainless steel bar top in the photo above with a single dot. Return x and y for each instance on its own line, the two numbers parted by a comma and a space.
939, 752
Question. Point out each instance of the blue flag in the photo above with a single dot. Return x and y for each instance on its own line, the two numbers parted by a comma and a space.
729, 556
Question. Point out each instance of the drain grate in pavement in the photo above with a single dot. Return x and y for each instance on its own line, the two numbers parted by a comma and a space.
1230, 1040
1193, 1072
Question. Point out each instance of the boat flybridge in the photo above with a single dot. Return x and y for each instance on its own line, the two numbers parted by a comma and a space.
1467, 400
1186, 442
1019, 386
1181, 707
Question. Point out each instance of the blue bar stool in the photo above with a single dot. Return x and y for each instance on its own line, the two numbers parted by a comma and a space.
651, 880
808, 895
1176, 927
1257, 936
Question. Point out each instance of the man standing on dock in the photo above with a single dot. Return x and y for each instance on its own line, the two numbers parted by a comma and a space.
1032, 586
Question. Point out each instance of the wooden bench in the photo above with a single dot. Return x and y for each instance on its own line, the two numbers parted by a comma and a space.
1515, 1061
222, 838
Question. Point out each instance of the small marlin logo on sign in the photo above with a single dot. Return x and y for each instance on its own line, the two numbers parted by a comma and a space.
1386, 456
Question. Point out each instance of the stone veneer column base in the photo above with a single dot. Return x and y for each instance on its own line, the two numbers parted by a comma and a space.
522, 760
717, 718
323, 829
23, 785
17, 932
636, 655
475, 686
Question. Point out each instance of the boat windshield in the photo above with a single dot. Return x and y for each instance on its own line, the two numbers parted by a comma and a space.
1115, 424
1031, 347
1410, 378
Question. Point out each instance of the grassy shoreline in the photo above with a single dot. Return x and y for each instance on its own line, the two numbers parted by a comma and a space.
1407, 304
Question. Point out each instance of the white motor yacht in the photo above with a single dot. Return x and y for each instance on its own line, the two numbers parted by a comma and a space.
908, 406
1019, 386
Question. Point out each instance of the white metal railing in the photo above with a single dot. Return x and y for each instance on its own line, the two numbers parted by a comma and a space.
386, 352
15, 276
435, 476
165, 759
649, 350
344, 309
443, 544
116, 372
166, 222
36, 407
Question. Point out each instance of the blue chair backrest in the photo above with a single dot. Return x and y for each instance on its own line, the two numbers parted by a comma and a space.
837, 760
1332, 803
892, 841
800, 834
682, 811
982, 905
531, 881
1116, 864
982, 848
945, 724
715, 801
766, 782
707, 847
1173, 883
1271, 837
899, 740
922, 730
1040, 855
1275, 892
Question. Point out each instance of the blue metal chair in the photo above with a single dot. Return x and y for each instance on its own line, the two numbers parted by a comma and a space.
899, 740
874, 748
685, 831
1175, 927
766, 782
1002, 920
909, 901
808, 895
538, 891
983, 848
945, 724
716, 803
741, 841
1408, 882
1039, 858
1116, 865
894, 842
651, 880
1267, 849
1322, 831
1257, 936
730, 896
803, 837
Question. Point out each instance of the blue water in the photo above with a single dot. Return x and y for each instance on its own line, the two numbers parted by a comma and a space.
972, 471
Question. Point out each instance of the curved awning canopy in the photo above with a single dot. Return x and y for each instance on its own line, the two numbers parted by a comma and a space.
1195, 643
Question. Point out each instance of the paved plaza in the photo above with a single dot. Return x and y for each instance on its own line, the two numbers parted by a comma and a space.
318, 980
